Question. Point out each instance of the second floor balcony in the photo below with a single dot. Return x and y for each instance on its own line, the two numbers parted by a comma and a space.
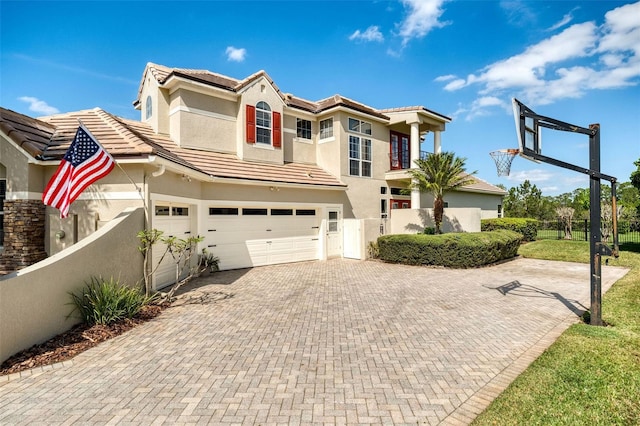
401, 160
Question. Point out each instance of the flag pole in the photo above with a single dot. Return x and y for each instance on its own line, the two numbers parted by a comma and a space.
144, 201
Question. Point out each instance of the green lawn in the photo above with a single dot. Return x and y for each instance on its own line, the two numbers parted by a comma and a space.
590, 375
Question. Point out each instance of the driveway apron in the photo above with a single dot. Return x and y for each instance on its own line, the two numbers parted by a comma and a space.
327, 342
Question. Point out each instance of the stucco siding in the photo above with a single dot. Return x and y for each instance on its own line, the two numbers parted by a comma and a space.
17, 167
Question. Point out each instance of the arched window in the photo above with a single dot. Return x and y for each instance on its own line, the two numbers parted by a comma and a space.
263, 123
148, 108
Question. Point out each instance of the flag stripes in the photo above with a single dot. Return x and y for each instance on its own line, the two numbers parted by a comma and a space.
85, 162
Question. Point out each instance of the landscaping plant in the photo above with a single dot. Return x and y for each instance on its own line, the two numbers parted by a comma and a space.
104, 301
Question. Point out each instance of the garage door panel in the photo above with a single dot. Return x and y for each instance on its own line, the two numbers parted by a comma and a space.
232, 256
253, 240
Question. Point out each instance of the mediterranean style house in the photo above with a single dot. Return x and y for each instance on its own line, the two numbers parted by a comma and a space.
264, 176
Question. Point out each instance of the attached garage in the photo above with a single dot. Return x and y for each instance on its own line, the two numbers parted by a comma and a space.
243, 237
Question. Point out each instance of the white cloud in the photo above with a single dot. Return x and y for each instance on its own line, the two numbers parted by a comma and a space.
564, 21
533, 175
578, 59
236, 55
480, 107
454, 85
370, 34
447, 77
422, 17
518, 12
38, 106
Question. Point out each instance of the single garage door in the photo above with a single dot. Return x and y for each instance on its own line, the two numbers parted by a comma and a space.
243, 237
172, 220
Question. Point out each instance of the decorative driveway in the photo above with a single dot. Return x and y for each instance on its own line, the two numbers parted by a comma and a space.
331, 342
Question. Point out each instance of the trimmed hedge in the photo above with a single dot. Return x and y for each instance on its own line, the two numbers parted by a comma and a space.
525, 226
455, 250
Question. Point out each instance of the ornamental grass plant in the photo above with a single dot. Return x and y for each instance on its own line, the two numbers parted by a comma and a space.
103, 301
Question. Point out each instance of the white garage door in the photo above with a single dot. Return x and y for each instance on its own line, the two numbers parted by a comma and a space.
256, 236
172, 220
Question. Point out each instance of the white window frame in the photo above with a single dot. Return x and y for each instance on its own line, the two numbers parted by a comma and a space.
361, 154
359, 126
301, 131
264, 123
148, 107
326, 132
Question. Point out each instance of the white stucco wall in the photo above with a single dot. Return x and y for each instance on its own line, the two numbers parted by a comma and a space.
413, 221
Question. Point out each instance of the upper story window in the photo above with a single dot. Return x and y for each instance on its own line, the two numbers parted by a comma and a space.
359, 126
359, 148
148, 108
359, 156
263, 125
303, 128
326, 128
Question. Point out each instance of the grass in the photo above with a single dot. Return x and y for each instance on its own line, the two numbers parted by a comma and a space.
590, 375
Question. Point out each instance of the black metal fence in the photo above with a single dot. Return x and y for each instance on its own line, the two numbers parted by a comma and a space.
628, 231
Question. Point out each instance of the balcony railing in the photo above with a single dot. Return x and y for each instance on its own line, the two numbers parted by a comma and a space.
402, 161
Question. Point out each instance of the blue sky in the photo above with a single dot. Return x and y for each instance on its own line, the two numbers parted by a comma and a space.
576, 61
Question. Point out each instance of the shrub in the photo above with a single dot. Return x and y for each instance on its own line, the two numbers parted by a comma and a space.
525, 226
106, 301
429, 230
464, 250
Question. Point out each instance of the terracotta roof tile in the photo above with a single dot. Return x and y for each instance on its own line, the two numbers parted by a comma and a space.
222, 165
116, 139
480, 185
48, 138
30, 134
162, 73
413, 108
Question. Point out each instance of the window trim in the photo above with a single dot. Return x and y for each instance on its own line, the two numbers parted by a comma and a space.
362, 143
302, 131
320, 130
359, 127
148, 108
264, 115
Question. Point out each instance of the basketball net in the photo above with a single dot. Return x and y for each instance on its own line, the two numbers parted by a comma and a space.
503, 159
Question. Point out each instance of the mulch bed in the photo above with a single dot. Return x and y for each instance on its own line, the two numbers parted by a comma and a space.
77, 340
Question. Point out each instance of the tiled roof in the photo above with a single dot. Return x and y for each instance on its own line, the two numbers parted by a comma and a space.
413, 108
221, 165
28, 133
480, 185
162, 73
48, 138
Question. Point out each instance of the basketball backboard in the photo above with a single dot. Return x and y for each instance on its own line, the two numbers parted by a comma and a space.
528, 130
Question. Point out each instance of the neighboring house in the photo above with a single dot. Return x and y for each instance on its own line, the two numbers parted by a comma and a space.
264, 176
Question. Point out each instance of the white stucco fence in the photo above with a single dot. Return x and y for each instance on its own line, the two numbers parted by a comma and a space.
413, 221
34, 302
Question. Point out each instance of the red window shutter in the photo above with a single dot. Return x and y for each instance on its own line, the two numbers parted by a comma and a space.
277, 130
251, 124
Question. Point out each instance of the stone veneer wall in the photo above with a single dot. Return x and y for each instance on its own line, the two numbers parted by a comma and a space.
24, 222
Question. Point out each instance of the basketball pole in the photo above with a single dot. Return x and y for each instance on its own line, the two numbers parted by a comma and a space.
597, 248
595, 242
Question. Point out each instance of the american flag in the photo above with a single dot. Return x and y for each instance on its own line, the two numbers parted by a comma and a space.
85, 162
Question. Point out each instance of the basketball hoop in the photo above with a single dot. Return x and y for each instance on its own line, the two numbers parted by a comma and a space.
503, 159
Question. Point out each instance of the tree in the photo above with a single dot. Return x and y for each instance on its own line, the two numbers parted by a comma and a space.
635, 176
566, 216
524, 201
437, 174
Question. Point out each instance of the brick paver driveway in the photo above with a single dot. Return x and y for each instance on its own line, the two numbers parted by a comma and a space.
337, 342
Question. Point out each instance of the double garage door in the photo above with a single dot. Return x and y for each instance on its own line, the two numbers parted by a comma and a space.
254, 236
241, 237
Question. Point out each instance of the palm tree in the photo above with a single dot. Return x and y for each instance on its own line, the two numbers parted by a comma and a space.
437, 174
